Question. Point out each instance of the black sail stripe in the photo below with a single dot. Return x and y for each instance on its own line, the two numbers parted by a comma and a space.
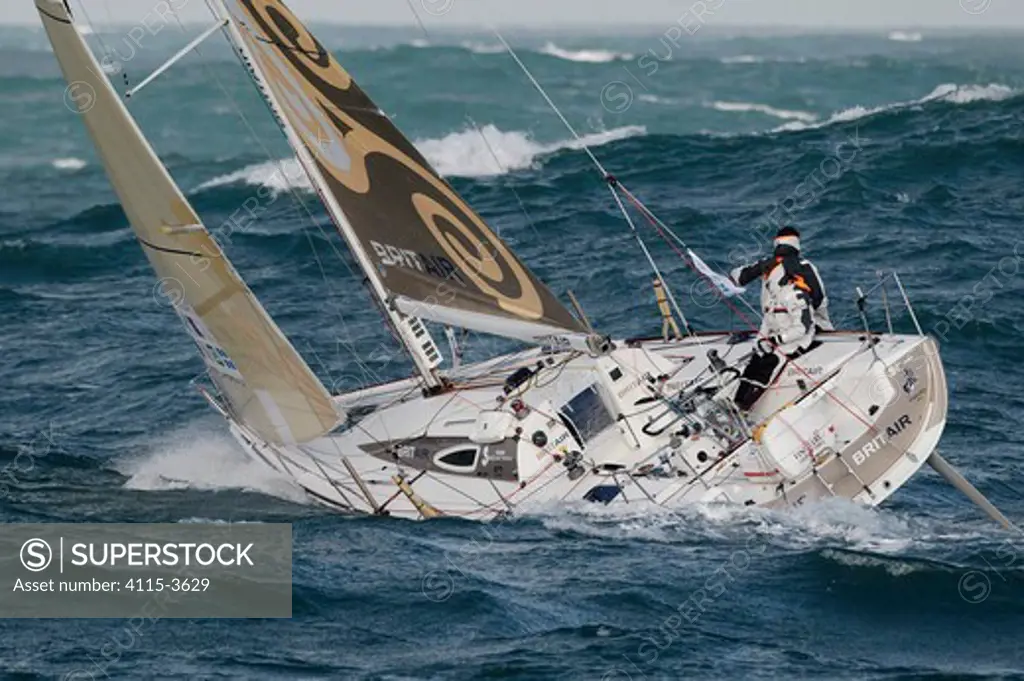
173, 251
44, 12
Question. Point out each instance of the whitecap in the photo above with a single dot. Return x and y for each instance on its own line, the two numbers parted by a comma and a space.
947, 92
906, 36
278, 176
483, 48
896, 568
758, 59
654, 99
743, 59
748, 107
68, 163
966, 94
584, 56
483, 152
490, 151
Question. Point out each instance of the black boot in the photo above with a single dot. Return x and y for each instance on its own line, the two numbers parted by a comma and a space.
755, 379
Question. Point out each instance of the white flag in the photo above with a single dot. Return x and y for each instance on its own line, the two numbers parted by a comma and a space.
724, 283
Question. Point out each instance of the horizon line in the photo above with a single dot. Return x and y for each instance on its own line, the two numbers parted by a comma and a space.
854, 28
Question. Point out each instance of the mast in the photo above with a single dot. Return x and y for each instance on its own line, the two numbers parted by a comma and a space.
409, 330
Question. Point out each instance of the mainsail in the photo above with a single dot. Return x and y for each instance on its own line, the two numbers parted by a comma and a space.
431, 253
267, 385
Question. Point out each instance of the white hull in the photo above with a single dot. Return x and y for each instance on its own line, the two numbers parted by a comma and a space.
847, 421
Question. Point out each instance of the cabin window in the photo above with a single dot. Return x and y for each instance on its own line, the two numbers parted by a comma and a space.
457, 460
586, 414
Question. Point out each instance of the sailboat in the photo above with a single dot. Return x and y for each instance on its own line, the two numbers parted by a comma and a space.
574, 417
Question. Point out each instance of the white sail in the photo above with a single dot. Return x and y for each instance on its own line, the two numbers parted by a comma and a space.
266, 384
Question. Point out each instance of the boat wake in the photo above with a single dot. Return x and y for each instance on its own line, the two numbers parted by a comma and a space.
203, 458
834, 526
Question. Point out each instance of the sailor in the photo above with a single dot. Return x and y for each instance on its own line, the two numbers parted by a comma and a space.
795, 308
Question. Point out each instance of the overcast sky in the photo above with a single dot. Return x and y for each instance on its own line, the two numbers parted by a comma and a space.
439, 13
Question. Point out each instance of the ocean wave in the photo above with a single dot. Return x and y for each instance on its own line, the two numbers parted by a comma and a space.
856, 559
743, 59
486, 152
483, 48
68, 163
758, 59
490, 151
654, 99
584, 56
278, 176
906, 36
750, 107
947, 92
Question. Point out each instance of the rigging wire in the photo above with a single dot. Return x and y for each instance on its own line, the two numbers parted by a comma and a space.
293, 193
297, 200
608, 177
611, 181
479, 131
613, 186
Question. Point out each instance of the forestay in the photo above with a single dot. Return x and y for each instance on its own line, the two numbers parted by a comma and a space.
433, 255
267, 385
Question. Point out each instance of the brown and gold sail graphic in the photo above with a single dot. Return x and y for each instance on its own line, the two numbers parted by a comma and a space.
428, 244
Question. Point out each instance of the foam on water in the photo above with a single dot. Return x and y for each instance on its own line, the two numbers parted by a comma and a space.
68, 163
906, 36
753, 107
947, 92
490, 151
205, 459
743, 59
822, 525
896, 568
584, 56
485, 152
654, 99
278, 176
758, 59
483, 48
